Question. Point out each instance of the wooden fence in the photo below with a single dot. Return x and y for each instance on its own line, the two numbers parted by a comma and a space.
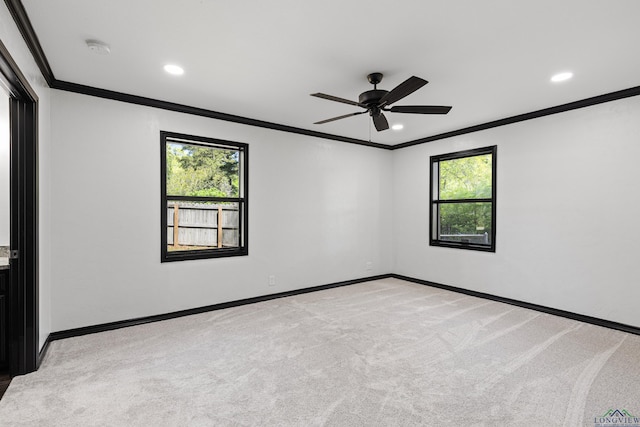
467, 238
206, 225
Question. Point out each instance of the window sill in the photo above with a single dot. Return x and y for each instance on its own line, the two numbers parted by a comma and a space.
467, 246
203, 254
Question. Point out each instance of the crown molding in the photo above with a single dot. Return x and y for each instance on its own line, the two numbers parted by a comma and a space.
26, 29
587, 102
23, 23
181, 108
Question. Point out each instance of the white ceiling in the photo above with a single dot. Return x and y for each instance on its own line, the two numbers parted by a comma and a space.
259, 59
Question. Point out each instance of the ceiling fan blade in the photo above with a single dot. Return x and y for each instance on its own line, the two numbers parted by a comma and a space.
334, 98
403, 89
339, 117
420, 109
380, 122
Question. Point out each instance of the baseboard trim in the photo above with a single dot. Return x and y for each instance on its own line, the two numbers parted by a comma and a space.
69, 333
43, 351
556, 312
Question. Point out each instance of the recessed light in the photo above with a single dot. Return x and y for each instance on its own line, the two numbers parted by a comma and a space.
560, 77
174, 69
96, 46
397, 126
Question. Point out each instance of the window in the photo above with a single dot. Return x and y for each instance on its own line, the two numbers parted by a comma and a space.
204, 197
463, 199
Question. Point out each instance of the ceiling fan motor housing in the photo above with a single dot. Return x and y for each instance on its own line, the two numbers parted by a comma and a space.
371, 97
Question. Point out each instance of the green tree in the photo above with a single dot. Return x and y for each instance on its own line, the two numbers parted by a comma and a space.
466, 178
463, 179
202, 171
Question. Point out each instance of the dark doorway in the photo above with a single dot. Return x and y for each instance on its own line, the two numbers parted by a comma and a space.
22, 347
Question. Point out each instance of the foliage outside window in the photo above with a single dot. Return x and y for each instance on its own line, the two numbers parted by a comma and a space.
204, 197
463, 199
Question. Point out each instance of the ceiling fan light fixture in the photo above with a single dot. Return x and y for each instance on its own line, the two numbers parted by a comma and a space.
561, 77
174, 69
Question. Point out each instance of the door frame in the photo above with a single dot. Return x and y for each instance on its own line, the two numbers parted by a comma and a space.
23, 303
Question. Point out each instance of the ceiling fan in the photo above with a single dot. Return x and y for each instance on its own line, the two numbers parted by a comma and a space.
378, 100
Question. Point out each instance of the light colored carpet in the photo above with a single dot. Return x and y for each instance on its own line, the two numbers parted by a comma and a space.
386, 352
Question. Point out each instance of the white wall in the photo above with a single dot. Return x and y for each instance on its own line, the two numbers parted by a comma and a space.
568, 213
4, 169
318, 211
16, 45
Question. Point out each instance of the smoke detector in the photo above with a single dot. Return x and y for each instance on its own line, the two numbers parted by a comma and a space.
96, 46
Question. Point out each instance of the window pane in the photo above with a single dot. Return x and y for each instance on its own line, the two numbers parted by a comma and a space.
194, 170
466, 178
465, 222
202, 225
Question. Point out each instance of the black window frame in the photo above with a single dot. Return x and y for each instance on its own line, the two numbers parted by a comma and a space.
435, 202
242, 199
